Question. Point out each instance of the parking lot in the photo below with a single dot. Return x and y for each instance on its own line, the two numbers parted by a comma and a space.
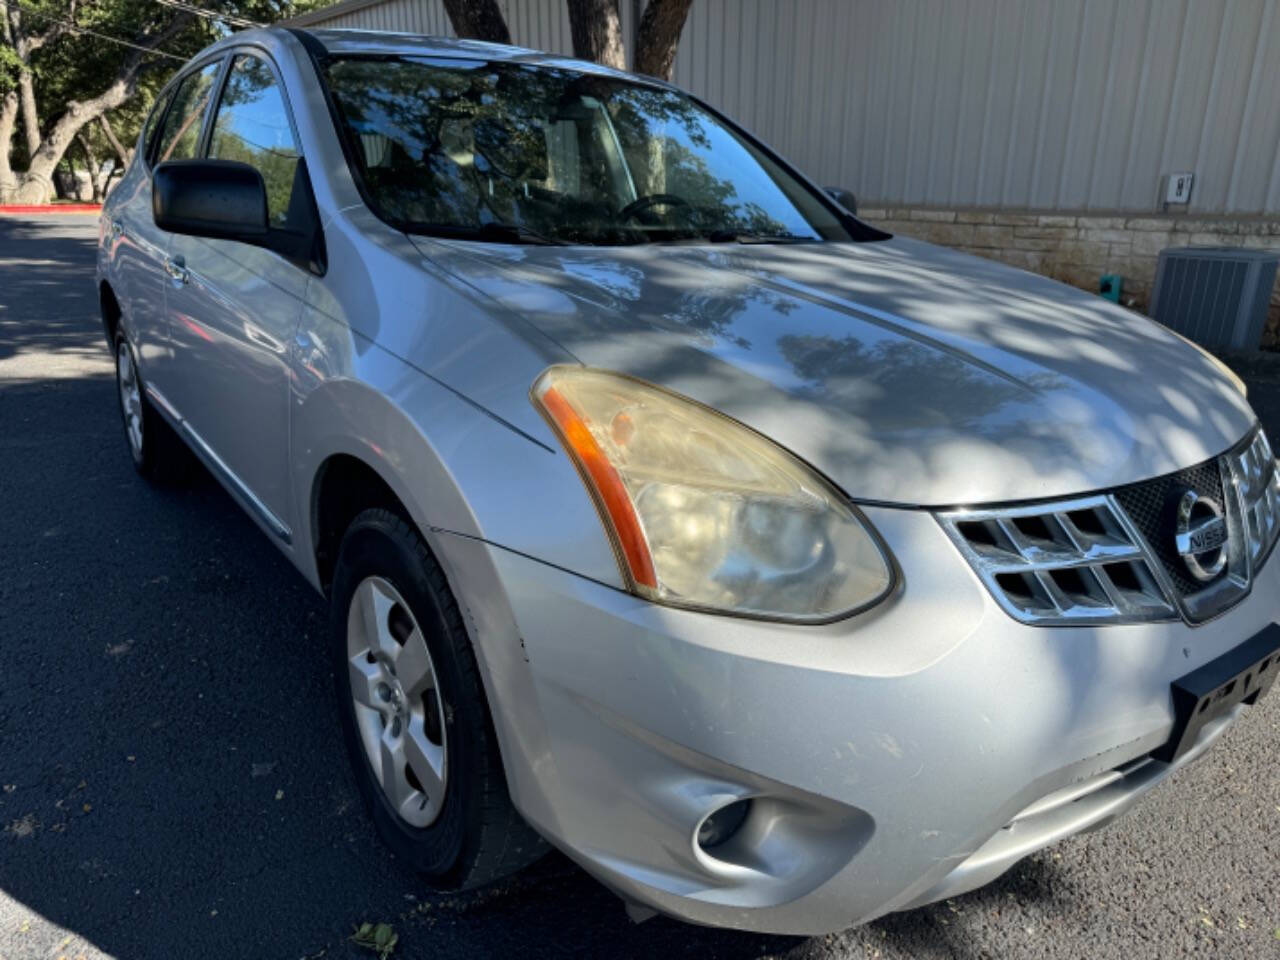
174, 783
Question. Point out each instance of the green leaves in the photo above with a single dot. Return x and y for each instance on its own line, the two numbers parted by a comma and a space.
378, 937
9, 67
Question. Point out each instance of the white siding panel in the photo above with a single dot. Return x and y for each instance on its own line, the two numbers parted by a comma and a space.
1047, 104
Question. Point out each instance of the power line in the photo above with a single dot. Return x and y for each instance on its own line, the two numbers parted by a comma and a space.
76, 28
210, 14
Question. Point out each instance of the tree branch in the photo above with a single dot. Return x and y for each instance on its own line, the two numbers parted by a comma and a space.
6, 23
110, 133
30, 43
30, 116
478, 20
659, 36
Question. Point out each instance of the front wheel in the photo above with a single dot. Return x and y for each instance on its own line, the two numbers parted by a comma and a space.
158, 453
414, 713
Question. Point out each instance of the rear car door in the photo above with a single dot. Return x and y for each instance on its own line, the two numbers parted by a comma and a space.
173, 132
233, 308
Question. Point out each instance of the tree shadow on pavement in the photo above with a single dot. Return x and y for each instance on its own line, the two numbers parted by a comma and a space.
47, 291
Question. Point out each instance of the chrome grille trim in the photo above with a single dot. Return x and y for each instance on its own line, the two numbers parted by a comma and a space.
1070, 562
1257, 483
1089, 560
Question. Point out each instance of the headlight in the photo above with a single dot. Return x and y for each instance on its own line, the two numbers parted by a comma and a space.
704, 512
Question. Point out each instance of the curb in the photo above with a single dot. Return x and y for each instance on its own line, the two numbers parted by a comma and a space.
20, 209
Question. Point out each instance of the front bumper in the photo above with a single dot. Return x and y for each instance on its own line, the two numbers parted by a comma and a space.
902, 756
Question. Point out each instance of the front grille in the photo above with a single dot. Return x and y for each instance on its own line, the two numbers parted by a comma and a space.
1112, 557
1153, 506
1069, 562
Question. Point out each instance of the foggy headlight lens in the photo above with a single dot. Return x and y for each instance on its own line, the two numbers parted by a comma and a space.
704, 512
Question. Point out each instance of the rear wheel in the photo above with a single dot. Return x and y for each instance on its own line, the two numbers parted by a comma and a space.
158, 452
414, 713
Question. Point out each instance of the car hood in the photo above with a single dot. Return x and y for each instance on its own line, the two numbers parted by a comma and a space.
907, 373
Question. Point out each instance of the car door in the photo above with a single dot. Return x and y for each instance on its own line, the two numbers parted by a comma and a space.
233, 308
143, 248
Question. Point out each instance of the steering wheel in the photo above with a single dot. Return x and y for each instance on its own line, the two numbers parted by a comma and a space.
640, 204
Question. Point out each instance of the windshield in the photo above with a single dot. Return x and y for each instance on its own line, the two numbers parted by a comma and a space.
520, 153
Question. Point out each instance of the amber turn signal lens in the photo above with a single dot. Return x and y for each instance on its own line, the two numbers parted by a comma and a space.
610, 493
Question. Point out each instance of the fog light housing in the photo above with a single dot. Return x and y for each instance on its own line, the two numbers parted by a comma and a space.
720, 825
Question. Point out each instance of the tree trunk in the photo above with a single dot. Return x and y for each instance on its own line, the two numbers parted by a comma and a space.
30, 116
659, 35
35, 184
8, 116
97, 179
478, 20
597, 32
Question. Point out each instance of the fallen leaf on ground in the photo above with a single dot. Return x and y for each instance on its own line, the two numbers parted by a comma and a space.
378, 937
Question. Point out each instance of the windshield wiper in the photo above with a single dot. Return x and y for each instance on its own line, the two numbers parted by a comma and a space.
492, 232
746, 236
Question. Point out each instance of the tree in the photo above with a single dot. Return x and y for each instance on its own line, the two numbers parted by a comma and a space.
66, 64
596, 27
659, 35
597, 32
27, 30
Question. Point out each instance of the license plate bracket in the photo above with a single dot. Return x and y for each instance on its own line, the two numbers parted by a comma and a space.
1243, 674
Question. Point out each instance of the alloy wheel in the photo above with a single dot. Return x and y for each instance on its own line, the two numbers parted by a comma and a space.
130, 396
398, 710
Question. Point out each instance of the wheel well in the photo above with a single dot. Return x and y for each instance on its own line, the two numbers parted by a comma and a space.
345, 487
110, 312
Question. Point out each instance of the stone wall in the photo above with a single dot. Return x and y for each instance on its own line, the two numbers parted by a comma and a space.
1079, 249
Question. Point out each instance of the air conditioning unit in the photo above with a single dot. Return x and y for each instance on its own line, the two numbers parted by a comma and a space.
1216, 296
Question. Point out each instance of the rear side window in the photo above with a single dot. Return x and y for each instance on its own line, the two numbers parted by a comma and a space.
153, 121
180, 135
252, 126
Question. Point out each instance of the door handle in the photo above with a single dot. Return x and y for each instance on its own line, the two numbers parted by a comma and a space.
176, 267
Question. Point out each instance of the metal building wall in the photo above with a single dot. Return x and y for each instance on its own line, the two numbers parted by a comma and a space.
539, 24
1045, 104
1053, 104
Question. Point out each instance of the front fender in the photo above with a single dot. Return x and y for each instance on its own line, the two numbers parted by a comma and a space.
457, 468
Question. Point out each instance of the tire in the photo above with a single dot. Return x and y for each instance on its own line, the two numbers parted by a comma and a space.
439, 801
158, 452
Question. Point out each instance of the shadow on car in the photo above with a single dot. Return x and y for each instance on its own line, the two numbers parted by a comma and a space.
174, 781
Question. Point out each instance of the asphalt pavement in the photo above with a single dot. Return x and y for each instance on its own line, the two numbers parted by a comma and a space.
174, 783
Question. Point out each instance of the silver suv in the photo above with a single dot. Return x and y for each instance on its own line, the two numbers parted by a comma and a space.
781, 572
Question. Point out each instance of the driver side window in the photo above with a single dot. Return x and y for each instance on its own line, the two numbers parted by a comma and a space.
252, 127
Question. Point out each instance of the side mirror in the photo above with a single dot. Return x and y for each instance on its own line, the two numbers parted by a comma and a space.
844, 197
217, 199
227, 200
